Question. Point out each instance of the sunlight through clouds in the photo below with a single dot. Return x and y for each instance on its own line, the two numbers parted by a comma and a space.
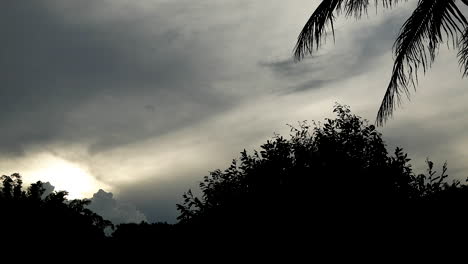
62, 174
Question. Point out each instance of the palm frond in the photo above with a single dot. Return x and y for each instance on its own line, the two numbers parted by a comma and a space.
389, 3
315, 30
463, 53
359, 7
416, 47
356, 7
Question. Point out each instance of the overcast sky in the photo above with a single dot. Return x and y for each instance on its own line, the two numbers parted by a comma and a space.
142, 98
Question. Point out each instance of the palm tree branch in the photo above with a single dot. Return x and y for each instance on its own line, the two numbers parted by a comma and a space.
416, 47
315, 30
463, 52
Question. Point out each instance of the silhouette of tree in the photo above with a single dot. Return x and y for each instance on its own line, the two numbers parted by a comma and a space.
431, 23
34, 220
144, 235
332, 180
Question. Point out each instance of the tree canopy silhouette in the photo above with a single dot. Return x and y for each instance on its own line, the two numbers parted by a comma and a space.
34, 218
331, 179
431, 23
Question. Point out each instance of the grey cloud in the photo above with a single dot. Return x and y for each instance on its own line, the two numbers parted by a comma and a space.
48, 189
158, 197
312, 84
116, 211
291, 68
52, 69
437, 138
294, 71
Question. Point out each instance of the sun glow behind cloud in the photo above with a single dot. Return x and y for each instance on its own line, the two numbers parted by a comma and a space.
65, 175
61, 173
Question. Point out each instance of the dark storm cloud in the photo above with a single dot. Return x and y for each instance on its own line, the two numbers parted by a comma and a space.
51, 68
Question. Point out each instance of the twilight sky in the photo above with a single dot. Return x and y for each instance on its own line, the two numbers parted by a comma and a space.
142, 98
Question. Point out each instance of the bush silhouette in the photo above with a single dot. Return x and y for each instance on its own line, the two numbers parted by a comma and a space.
34, 220
329, 181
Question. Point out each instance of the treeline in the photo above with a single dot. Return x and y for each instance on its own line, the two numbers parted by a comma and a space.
32, 217
327, 183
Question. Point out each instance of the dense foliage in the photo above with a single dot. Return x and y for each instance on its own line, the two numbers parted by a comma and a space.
331, 178
34, 218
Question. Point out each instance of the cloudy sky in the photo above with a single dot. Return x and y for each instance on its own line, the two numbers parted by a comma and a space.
142, 98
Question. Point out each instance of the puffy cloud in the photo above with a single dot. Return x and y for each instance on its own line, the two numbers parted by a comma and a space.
104, 204
48, 189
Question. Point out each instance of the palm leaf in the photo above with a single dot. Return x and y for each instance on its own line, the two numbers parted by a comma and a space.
416, 47
463, 53
315, 30
356, 7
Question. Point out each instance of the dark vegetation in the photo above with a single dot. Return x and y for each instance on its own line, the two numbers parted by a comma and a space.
31, 219
328, 182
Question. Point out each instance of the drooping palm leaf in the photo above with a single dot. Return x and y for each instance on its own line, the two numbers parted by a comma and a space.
356, 7
416, 47
315, 30
463, 53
